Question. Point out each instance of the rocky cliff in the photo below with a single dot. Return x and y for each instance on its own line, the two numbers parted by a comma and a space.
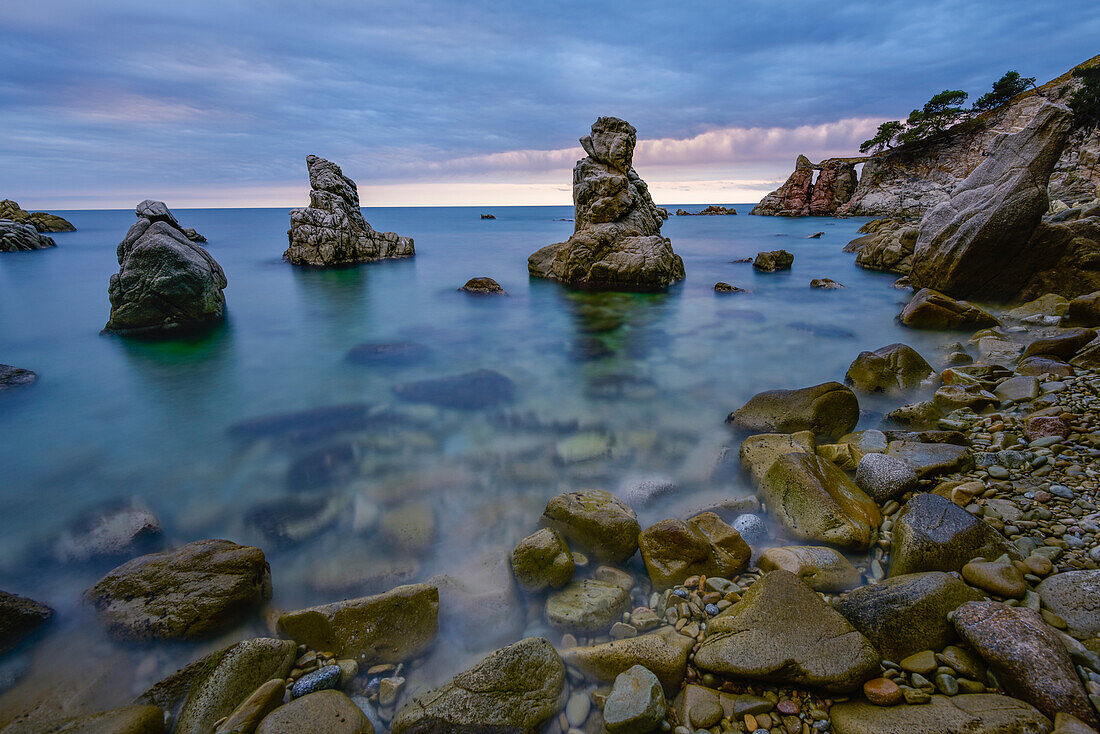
802, 196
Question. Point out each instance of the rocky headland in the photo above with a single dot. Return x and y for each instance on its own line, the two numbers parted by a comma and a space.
802, 196
41, 221
331, 231
616, 242
166, 283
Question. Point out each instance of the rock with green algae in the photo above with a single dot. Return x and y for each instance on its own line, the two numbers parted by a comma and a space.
123, 720
783, 632
759, 452
973, 713
542, 560
250, 712
829, 409
515, 689
41, 221
673, 550
391, 627
191, 592
636, 704
595, 522
664, 652
823, 568
587, 606
893, 368
19, 617
323, 712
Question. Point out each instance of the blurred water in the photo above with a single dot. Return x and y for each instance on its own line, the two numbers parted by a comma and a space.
646, 381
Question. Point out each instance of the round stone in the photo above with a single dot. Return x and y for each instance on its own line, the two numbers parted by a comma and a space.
705, 713
882, 692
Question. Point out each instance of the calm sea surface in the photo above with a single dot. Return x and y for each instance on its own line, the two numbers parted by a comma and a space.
610, 390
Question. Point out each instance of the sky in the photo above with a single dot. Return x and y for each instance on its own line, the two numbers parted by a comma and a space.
104, 103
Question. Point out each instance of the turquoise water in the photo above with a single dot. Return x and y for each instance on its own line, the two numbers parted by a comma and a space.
647, 380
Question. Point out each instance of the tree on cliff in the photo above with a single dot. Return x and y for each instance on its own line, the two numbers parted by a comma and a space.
1004, 89
938, 114
884, 138
1085, 102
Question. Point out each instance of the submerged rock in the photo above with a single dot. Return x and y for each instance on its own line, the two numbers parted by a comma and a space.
109, 531
194, 591
673, 550
19, 617
516, 689
468, 391
393, 627
15, 376
587, 606
479, 604
388, 353
783, 632
166, 283
616, 243
16, 237
828, 409
331, 231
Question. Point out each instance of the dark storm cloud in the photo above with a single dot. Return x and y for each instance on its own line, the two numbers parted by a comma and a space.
112, 95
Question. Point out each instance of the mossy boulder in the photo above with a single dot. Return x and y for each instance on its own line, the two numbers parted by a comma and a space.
893, 368
542, 560
674, 550
665, 652
932, 533
595, 522
829, 409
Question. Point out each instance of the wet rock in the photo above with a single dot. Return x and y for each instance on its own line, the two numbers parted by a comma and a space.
1083, 311
1063, 345
1075, 597
194, 591
931, 309
919, 415
166, 283
793, 198
1037, 366
882, 692
886, 245
817, 501
826, 284
109, 531
468, 391
220, 682
760, 451
783, 632
975, 713
932, 533
331, 231
616, 242
895, 367
773, 260
41, 221
250, 712
409, 528
1027, 657
19, 617
331, 712
515, 689
123, 720
829, 409
636, 705
17, 237
996, 578
906, 614
930, 459
483, 286
885, 477
822, 568
15, 376
954, 397
396, 354
664, 652
321, 679
721, 287
479, 604
541, 561
291, 520
673, 550
586, 606
391, 627
1018, 389
594, 522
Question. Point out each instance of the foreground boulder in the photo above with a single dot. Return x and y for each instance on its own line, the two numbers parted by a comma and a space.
329, 711
542, 560
664, 652
823, 568
886, 245
595, 522
759, 451
19, 617
1083, 311
392, 627
165, 283
17, 237
674, 550
895, 367
1075, 597
41, 221
973, 713
616, 242
932, 533
516, 689
783, 632
194, 591
1029, 660
975, 244
636, 704
930, 309
905, 614
815, 500
793, 198
331, 231
829, 409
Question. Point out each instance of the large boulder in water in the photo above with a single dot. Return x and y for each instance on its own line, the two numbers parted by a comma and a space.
829, 409
976, 244
165, 283
886, 245
41, 221
616, 242
19, 617
331, 231
793, 198
516, 689
19, 237
930, 309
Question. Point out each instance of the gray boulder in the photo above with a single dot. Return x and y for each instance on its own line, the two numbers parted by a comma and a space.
516, 689
930, 309
886, 245
828, 409
973, 713
892, 368
17, 237
932, 533
1075, 597
884, 477
975, 244
331, 231
15, 376
637, 703
166, 283
616, 242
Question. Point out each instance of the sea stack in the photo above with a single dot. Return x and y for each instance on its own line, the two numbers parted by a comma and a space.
792, 199
616, 242
331, 231
166, 283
